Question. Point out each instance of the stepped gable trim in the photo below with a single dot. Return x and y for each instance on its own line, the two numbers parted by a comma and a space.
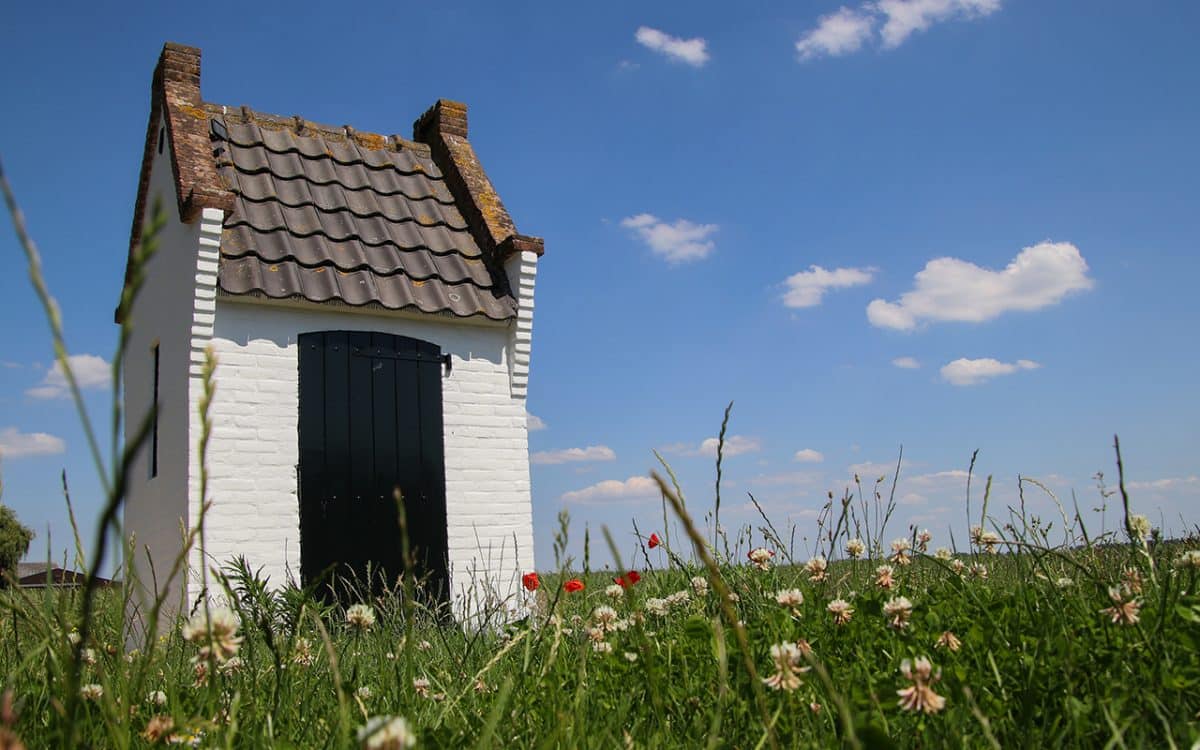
520, 243
175, 103
444, 128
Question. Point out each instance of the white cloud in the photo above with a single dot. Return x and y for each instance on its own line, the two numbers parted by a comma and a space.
974, 371
949, 289
694, 52
836, 34
91, 372
905, 17
680, 242
906, 363
940, 477
633, 488
734, 445
14, 444
807, 288
809, 456
1170, 483
534, 423
572, 455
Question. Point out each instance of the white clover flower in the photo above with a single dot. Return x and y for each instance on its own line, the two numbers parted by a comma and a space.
363, 693
421, 685
884, 577
979, 570
73, 637
989, 540
792, 598
657, 607
223, 624
1064, 583
679, 598
614, 592
943, 553
424, 646
923, 540
920, 696
841, 611
605, 617
901, 551
232, 666
386, 733
303, 653
816, 568
1140, 525
88, 656
786, 658
157, 698
760, 557
602, 647
1189, 560
700, 585
91, 691
855, 547
898, 610
1125, 609
360, 617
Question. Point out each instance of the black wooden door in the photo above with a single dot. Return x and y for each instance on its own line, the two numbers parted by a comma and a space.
371, 422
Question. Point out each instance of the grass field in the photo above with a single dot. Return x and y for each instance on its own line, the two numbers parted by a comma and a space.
1094, 646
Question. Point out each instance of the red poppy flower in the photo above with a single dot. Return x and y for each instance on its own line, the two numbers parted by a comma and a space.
530, 581
633, 576
573, 585
620, 581
653, 541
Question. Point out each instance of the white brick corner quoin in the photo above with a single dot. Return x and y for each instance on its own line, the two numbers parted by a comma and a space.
253, 450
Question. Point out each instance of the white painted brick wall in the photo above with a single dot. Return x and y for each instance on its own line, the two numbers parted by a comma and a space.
253, 451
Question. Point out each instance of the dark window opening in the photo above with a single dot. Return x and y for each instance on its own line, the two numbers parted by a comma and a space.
154, 424
162, 137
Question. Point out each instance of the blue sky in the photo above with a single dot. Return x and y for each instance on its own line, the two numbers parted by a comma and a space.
773, 207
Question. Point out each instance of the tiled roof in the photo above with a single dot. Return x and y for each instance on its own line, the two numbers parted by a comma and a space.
329, 214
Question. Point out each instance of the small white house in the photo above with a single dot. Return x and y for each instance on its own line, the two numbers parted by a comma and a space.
370, 305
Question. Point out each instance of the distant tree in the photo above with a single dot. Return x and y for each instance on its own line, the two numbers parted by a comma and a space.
14, 539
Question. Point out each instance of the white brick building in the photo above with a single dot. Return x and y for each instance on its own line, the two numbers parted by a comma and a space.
370, 305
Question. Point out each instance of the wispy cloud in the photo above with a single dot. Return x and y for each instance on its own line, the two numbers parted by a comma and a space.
906, 363
91, 372
694, 52
16, 444
574, 455
975, 371
1169, 483
534, 423
906, 17
809, 456
949, 289
633, 488
680, 242
807, 288
848, 29
836, 34
735, 445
